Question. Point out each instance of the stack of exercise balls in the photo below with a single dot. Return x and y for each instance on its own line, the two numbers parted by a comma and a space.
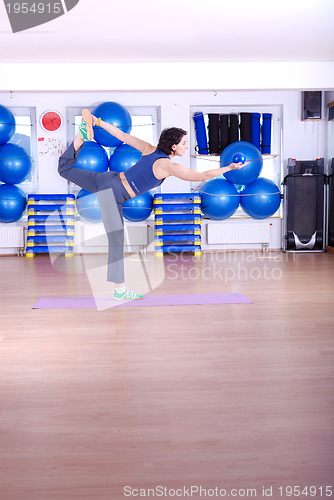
95, 158
259, 197
15, 167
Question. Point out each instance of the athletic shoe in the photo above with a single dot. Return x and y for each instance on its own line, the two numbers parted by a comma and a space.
86, 127
127, 295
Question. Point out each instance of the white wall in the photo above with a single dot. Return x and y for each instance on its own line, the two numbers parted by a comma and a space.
306, 75
301, 140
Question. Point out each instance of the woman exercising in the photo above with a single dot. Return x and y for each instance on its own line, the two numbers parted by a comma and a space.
113, 189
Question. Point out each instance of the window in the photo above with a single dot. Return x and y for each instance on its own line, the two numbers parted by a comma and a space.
26, 137
272, 164
145, 126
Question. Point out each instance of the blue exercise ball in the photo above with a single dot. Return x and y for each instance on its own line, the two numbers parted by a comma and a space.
13, 203
88, 206
115, 114
261, 198
15, 164
138, 208
219, 198
247, 174
7, 125
92, 157
123, 157
239, 158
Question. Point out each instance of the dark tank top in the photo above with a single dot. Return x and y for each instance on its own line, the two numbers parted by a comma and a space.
141, 177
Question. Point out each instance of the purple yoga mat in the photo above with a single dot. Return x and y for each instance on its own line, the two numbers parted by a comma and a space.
148, 300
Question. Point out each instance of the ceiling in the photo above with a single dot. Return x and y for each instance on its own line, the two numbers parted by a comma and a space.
177, 31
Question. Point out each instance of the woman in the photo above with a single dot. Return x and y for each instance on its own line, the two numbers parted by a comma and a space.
113, 189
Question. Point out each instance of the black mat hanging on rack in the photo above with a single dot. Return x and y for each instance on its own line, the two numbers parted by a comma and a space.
246, 127
223, 133
213, 127
233, 128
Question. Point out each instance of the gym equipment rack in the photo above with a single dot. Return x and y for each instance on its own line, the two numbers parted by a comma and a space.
51, 220
178, 223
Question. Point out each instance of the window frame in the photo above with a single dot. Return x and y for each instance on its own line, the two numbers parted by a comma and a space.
30, 185
74, 111
276, 148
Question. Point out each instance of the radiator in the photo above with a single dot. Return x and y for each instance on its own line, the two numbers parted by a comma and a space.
95, 236
11, 237
242, 233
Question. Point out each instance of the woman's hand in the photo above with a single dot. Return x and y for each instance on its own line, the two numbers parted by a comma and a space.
237, 166
94, 120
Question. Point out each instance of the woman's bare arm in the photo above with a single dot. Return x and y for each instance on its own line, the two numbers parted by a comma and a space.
142, 146
167, 168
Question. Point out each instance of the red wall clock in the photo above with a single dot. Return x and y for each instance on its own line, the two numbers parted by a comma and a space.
51, 121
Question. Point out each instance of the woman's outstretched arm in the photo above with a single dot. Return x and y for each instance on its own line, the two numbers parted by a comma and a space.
167, 168
142, 146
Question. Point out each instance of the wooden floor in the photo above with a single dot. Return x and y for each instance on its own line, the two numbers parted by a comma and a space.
232, 396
